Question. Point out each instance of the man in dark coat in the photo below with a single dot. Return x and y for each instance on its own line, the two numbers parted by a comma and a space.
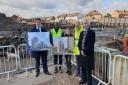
86, 47
40, 54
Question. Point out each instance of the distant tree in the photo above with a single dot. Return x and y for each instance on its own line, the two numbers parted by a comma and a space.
2, 16
107, 15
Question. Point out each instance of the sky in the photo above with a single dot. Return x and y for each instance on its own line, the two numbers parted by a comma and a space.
44, 8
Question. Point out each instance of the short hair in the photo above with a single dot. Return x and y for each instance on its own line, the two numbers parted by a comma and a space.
38, 19
87, 21
77, 23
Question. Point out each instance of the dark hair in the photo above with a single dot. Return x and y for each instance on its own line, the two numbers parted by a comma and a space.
38, 19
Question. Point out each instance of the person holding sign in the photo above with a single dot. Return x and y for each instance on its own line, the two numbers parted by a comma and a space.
40, 54
68, 57
57, 33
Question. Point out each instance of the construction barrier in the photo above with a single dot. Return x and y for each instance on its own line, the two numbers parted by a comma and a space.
8, 59
102, 69
26, 62
108, 69
120, 70
50, 56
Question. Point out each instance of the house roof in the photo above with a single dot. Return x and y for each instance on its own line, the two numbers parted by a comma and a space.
93, 12
69, 15
122, 11
73, 14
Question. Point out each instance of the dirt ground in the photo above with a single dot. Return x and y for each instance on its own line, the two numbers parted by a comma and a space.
30, 79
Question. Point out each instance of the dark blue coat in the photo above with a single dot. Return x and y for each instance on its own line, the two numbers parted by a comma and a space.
87, 61
37, 30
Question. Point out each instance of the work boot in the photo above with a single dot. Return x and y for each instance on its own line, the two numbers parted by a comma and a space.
70, 72
67, 71
60, 69
48, 73
56, 70
37, 74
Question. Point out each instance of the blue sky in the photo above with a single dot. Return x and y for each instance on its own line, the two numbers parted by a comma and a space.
43, 8
119, 0
107, 2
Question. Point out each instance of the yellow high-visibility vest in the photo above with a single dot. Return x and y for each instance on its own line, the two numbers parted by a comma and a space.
56, 34
76, 40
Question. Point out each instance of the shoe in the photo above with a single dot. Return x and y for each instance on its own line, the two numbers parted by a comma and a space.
59, 67
82, 82
56, 70
37, 74
48, 73
76, 75
67, 71
70, 73
61, 71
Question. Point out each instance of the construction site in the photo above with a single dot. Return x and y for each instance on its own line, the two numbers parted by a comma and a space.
17, 67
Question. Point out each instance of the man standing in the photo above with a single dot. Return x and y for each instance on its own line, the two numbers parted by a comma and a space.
57, 33
86, 46
78, 29
40, 54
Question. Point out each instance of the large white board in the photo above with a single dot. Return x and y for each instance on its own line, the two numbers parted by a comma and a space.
38, 41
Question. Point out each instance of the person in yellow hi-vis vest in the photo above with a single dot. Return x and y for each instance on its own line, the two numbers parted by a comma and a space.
57, 33
78, 29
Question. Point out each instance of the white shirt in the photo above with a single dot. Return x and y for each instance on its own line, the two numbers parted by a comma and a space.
39, 28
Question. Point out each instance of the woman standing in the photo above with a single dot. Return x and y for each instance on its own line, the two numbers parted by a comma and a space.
68, 57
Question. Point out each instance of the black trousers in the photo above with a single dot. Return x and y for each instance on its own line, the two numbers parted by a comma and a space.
56, 59
43, 56
68, 62
87, 75
78, 67
86, 69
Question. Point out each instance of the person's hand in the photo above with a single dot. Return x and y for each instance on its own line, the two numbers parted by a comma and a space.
53, 45
82, 53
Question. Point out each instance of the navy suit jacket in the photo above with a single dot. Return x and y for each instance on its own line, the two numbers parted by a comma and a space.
89, 48
37, 30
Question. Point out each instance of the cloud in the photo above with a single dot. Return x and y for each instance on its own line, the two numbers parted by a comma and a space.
44, 4
42, 8
35, 8
115, 5
119, 5
28, 4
